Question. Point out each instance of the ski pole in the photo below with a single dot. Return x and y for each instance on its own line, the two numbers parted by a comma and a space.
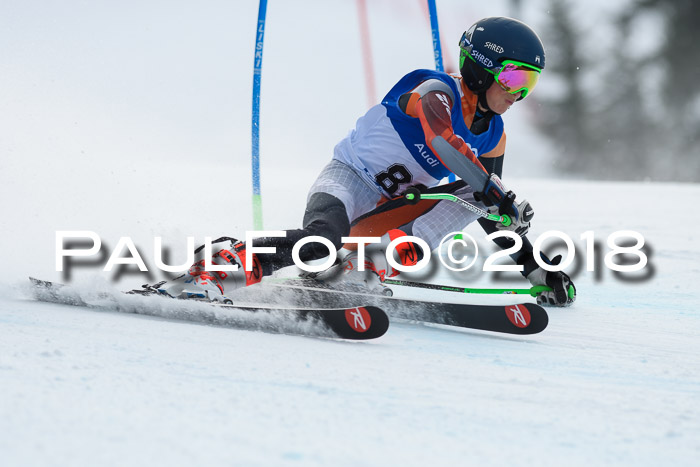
412, 196
534, 291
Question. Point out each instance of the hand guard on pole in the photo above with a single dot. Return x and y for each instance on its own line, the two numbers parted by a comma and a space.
502, 202
520, 215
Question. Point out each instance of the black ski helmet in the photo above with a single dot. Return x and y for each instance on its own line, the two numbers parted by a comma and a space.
490, 41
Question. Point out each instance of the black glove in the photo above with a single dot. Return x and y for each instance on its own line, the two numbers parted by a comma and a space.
563, 291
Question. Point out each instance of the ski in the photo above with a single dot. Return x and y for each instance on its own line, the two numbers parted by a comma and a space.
520, 318
355, 323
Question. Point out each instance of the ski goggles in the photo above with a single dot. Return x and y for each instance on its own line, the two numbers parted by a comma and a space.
517, 77
513, 76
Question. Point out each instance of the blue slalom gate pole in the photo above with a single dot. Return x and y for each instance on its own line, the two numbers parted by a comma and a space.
257, 72
437, 48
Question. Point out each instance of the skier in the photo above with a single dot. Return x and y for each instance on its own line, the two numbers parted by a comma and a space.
428, 126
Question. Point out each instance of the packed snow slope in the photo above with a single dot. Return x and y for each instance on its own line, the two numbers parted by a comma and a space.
613, 380
132, 119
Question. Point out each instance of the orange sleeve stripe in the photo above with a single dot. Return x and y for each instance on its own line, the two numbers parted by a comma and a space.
448, 133
411, 105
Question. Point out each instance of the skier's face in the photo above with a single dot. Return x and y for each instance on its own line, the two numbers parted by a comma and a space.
500, 100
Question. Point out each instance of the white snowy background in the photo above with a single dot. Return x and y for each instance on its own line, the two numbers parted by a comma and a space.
133, 119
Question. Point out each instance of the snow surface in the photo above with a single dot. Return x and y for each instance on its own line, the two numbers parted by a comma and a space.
612, 380
134, 121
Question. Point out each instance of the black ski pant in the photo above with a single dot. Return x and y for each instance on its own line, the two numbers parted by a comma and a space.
325, 216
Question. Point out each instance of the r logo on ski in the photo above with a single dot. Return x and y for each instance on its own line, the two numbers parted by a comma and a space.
518, 315
358, 319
